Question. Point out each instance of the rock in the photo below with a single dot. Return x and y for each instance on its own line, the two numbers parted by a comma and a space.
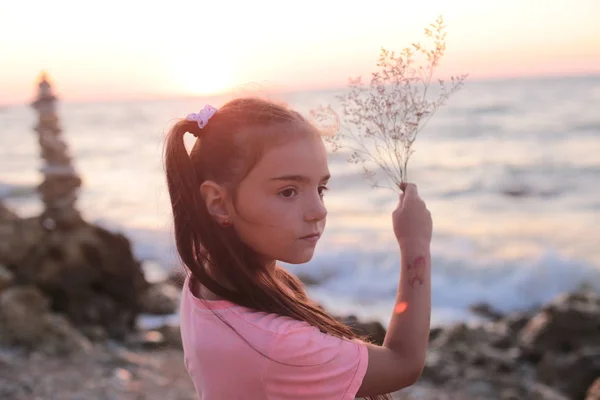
373, 330
94, 332
172, 335
572, 373
6, 278
61, 182
121, 377
486, 311
450, 336
86, 271
27, 322
510, 394
8, 220
18, 238
496, 360
569, 322
479, 389
440, 369
61, 337
449, 355
146, 339
22, 316
523, 355
160, 298
552, 353
516, 321
593, 392
584, 293
539, 391
460, 356
164, 336
434, 332
503, 333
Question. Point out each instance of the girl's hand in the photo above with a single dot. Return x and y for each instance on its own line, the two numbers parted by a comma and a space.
412, 220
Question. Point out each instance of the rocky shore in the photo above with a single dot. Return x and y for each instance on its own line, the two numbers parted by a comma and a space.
549, 353
71, 300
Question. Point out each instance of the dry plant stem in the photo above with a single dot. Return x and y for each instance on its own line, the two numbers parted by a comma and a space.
380, 122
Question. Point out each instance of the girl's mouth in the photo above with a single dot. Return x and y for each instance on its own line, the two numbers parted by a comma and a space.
313, 237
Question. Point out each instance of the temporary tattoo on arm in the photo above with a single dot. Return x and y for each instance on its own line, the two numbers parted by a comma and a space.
416, 271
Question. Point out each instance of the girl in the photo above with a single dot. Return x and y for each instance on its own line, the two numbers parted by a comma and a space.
250, 193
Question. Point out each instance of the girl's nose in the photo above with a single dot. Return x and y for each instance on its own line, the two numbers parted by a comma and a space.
316, 209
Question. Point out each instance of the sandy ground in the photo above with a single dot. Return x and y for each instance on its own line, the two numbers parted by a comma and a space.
112, 372
104, 373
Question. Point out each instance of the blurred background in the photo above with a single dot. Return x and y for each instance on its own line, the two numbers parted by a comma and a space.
510, 167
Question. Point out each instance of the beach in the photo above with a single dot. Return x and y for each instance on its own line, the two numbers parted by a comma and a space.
509, 169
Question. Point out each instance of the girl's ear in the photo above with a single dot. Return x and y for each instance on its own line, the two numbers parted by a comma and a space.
214, 195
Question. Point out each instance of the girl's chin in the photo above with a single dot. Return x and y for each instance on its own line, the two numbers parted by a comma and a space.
300, 258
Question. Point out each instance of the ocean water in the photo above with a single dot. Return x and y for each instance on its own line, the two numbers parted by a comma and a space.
510, 170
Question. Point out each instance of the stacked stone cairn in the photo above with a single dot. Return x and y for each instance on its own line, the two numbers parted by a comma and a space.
61, 182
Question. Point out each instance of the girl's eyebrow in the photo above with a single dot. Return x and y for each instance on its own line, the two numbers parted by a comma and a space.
298, 178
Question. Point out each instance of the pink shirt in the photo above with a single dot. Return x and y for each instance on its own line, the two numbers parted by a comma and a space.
223, 366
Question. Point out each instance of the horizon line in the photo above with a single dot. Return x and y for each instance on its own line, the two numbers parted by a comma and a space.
156, 97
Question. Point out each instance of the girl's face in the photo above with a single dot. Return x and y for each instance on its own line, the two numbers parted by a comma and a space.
280, 211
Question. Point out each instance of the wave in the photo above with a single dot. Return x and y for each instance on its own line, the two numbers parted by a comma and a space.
365, 282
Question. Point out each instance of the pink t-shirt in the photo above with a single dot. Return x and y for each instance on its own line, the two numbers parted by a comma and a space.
223, 366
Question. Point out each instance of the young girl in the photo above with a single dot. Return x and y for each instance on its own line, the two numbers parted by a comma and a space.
250, 194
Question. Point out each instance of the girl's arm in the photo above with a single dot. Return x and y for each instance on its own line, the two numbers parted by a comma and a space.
400, 361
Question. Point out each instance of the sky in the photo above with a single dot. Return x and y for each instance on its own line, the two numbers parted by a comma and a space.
129, 49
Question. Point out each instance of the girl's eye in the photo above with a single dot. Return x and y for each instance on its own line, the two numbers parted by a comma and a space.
288, 193
322, 190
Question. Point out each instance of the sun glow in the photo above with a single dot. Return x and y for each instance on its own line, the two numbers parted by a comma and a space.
226, 47
205, 69
198, 77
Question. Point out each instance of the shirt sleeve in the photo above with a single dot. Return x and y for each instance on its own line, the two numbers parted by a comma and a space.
308, 364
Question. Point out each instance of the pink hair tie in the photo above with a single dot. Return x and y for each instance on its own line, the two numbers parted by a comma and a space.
203, 116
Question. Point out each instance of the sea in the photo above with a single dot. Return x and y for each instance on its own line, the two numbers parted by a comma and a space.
510, 170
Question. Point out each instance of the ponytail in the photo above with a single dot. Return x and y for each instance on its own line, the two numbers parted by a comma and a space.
184, 190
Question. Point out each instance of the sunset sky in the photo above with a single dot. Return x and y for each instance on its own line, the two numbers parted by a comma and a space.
132, 49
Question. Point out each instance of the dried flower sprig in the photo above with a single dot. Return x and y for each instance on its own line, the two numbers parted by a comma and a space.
379, 122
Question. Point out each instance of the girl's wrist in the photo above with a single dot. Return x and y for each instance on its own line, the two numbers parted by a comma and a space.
415, 248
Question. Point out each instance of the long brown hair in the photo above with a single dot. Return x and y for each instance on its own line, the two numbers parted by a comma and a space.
226, 150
